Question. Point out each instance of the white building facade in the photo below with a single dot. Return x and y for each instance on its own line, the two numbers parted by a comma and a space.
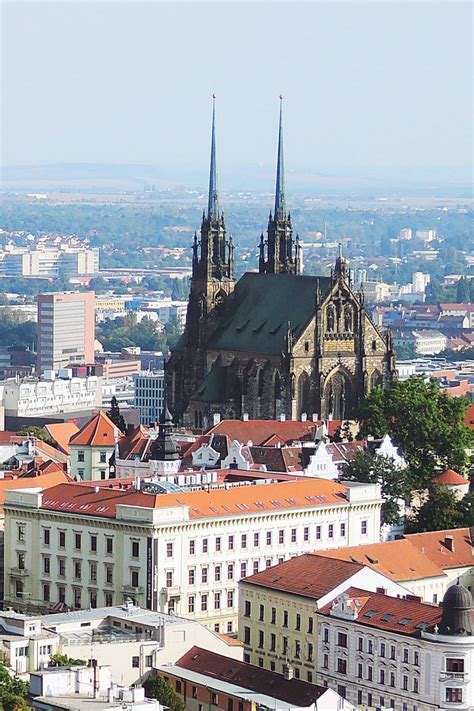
33, 396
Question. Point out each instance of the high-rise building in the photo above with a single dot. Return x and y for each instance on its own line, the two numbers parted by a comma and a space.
66, 330
149, 395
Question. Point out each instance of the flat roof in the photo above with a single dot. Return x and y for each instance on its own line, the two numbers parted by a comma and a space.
138, 615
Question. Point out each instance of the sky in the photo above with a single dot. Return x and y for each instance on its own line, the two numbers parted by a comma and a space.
370, 88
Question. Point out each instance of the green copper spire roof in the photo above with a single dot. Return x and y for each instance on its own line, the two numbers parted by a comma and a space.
280, 179
213, 202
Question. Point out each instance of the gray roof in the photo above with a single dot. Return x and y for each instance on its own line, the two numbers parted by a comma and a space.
134, 614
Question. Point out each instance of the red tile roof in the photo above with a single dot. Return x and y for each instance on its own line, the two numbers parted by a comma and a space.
202, 504
450, 478
308, 575
436, 545
402, 615
259, 431
263, 681
50, 479
398, 560
62, 432
100, 431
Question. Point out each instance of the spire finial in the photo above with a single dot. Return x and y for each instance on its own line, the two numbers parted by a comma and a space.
280, 178
213, 203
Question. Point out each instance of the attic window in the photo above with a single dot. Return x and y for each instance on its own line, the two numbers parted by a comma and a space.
423, 626
291, 501
371, 560
260, 504
388, 617
404, 621
276, 503
242, 326
275, 330
371, 613
257, 329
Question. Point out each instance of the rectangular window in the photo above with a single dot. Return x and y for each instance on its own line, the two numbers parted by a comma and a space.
454, 696
256, 540
205, 545
392, 679
61, 594
392, 652
135, 662
61, 567
416, 658
46, 565
46, 592
325, 661
370, 673
109, 574
109, 546
326, 635
169, 550
363, 527
77, 597
80, 456
204, 575
382, 649
255, 567
217, 601
77, 570
218, 544
285, 618
109, 599
134, 578
62, 539
455, 665
306, 533
382, 676
230, 598
246, 635
231, 543
342, 666
192, 547
243, 540
103, 457
310, 652
405, 656
169, 579
149, 660
331, 530
191, 576
359, 671
360, 644
204, 602
405, 683
343, 530
46, 536
298, 622
247, 608
135, 549
243, 570
342, 639
230, 571
261, 639
273, 616
93, 572
310, 625
281, 536
415, 685
297, 649
273, 642
318, 533
261, 613
269, 538
191, 603
93, 544
293, 535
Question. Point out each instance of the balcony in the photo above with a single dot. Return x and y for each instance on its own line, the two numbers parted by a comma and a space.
452, 675
131, 590
19, 572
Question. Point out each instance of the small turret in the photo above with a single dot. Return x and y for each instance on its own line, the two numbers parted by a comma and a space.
457, 612
165, 447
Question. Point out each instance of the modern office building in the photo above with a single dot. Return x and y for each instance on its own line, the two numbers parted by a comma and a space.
66, 330
150, 395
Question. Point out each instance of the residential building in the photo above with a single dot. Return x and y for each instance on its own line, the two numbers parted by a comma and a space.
130, 640
34, 397
183, 551
204, 679
92, 449
277, 606
66, 330
425, 341
382, 651
48, 262
149, 395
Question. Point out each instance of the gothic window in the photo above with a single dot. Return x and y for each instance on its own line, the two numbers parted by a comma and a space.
202, 306
330, 318
277, 393
219, 299
246, 377
260, 382
375, 379
348, 318
304, 394
338, 395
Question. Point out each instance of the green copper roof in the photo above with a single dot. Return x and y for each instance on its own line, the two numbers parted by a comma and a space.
212, 388
257, 317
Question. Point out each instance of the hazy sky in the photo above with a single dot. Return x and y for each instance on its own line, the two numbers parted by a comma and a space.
370, 87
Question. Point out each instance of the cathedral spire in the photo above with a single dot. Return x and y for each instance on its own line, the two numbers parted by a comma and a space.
213, 201
280, 176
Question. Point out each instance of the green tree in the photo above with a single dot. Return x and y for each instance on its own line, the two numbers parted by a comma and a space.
12, 688
116, 416
462, 291
62, 660
12, 702
424, 421
440, 511
39, 433
157, 688
396, 482
406, 352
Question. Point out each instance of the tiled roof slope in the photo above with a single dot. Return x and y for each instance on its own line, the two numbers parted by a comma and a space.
308, 575
451, 478
62, 432
435, 546
293, 691
261, 307
394, 614
258, 431
398, 560
100, 431
44, 481
82, 499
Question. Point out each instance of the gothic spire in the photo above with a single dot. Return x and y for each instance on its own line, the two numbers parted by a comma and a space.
213, 202
280, 176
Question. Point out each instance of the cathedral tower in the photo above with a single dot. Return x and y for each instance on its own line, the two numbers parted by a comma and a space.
213, 258
282, 255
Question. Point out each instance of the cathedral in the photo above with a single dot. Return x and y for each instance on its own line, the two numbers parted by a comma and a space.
277, 343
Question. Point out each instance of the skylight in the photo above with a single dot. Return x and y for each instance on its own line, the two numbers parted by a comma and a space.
405, 621
388, 617
371, 613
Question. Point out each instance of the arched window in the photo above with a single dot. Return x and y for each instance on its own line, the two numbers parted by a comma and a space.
304, 388
260, 382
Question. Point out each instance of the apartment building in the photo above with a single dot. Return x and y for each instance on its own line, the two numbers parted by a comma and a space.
184, 552
92, 449
380, 651
277, 606
66, 330
149, 395
24, 262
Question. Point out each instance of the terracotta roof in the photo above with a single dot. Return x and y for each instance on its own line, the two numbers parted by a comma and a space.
62, 432
469, 417
308, 575
450, 478
293, 691
259, 431
407, 616
6, 437
436, 545
100, 431
231, 641
47, 452
202, 504
398, 560
45, 481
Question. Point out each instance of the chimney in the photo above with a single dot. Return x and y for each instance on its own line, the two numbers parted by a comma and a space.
382, 591
304, 417
315, 416
449, 543
288, 672
282, 417
245, 417
96, 489
216, 418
